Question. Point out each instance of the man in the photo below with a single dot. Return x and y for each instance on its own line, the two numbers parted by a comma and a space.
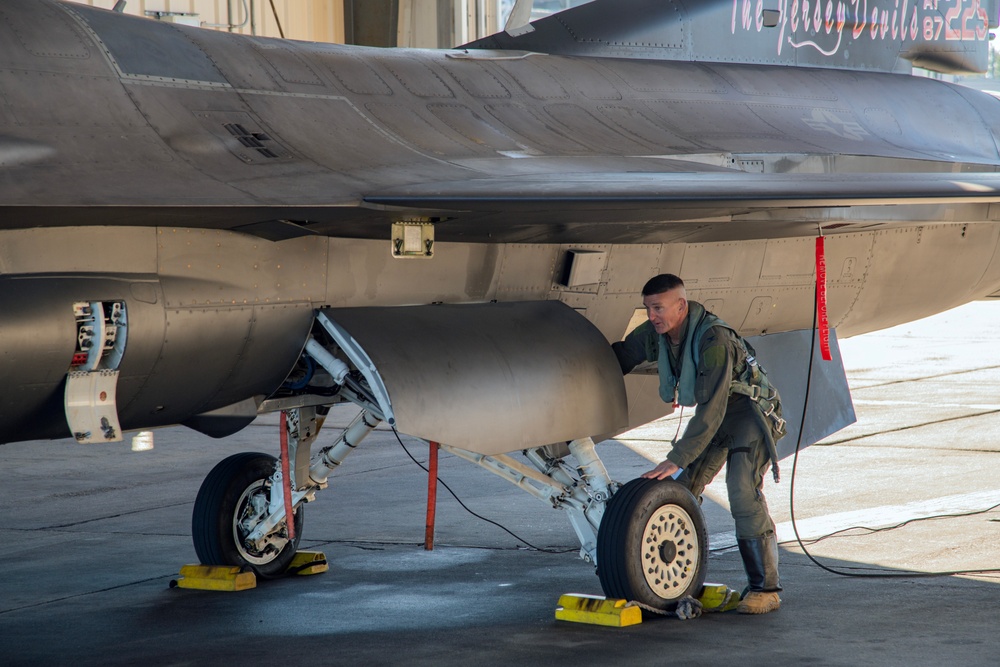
702, 361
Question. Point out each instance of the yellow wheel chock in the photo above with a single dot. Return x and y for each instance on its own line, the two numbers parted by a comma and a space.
235, 578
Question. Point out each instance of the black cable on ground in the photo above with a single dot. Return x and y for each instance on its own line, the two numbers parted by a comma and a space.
907, 574
479, 516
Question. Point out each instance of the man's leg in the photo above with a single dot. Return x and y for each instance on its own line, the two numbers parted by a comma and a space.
703, 469
748, 462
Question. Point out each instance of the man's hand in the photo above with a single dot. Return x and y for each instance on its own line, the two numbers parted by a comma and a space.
662, 471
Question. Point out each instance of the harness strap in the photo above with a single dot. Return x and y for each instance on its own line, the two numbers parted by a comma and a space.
737, 450
746, 389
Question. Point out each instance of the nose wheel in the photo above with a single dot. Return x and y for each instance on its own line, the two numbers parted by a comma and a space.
652, 546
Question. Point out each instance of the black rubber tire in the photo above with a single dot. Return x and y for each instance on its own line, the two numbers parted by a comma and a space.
214, 519
636, 560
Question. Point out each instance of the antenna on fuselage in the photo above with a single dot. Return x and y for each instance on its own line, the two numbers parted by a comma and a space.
119, 6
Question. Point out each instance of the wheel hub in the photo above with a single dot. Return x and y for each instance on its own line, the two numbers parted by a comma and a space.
251, 510
670, 551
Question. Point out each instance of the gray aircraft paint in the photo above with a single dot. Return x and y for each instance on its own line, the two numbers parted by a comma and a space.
224, 187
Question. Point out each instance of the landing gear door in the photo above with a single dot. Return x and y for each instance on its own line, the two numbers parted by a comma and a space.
492, 378
785, 356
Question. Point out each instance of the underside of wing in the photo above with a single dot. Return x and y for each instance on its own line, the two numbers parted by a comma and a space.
698, 205
587, 207
696, 190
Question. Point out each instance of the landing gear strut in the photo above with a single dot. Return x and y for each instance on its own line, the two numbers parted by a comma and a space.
647, 539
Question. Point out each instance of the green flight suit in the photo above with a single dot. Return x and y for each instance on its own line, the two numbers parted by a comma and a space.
724, 426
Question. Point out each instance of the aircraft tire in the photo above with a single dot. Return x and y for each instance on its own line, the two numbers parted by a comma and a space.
652, 546
226, 495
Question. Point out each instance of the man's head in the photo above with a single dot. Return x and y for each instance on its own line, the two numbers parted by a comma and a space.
666, 304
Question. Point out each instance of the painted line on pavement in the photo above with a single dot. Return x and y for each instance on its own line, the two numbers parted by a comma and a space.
874, 518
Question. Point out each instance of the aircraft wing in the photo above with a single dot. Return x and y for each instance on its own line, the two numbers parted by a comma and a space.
552, 202
732, 192
694, 205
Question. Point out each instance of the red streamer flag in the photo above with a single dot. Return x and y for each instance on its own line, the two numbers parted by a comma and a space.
823, 325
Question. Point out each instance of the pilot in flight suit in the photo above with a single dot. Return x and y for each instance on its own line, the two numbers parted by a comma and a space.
702, 362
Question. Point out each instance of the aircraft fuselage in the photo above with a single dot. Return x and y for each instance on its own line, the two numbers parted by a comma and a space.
223, 187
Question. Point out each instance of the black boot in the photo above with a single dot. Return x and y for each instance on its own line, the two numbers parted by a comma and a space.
760, 560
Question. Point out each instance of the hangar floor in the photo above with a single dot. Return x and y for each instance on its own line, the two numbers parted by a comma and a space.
93, 535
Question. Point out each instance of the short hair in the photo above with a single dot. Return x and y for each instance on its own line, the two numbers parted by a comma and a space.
661, 283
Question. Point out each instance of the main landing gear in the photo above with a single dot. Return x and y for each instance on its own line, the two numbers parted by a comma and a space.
233, 500
646, 538
653, 545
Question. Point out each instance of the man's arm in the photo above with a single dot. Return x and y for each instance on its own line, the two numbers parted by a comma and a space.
640, 345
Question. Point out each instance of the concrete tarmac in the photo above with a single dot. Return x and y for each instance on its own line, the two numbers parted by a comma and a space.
93, 534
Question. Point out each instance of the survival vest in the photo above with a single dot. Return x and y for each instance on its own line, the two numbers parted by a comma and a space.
750, 378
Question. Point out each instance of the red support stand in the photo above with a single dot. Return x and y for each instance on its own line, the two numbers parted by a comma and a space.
286, 476
432, 477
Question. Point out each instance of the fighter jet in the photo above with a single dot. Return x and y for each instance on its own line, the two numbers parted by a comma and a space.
200, 227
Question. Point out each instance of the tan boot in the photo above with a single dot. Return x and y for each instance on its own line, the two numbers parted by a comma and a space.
759, 602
